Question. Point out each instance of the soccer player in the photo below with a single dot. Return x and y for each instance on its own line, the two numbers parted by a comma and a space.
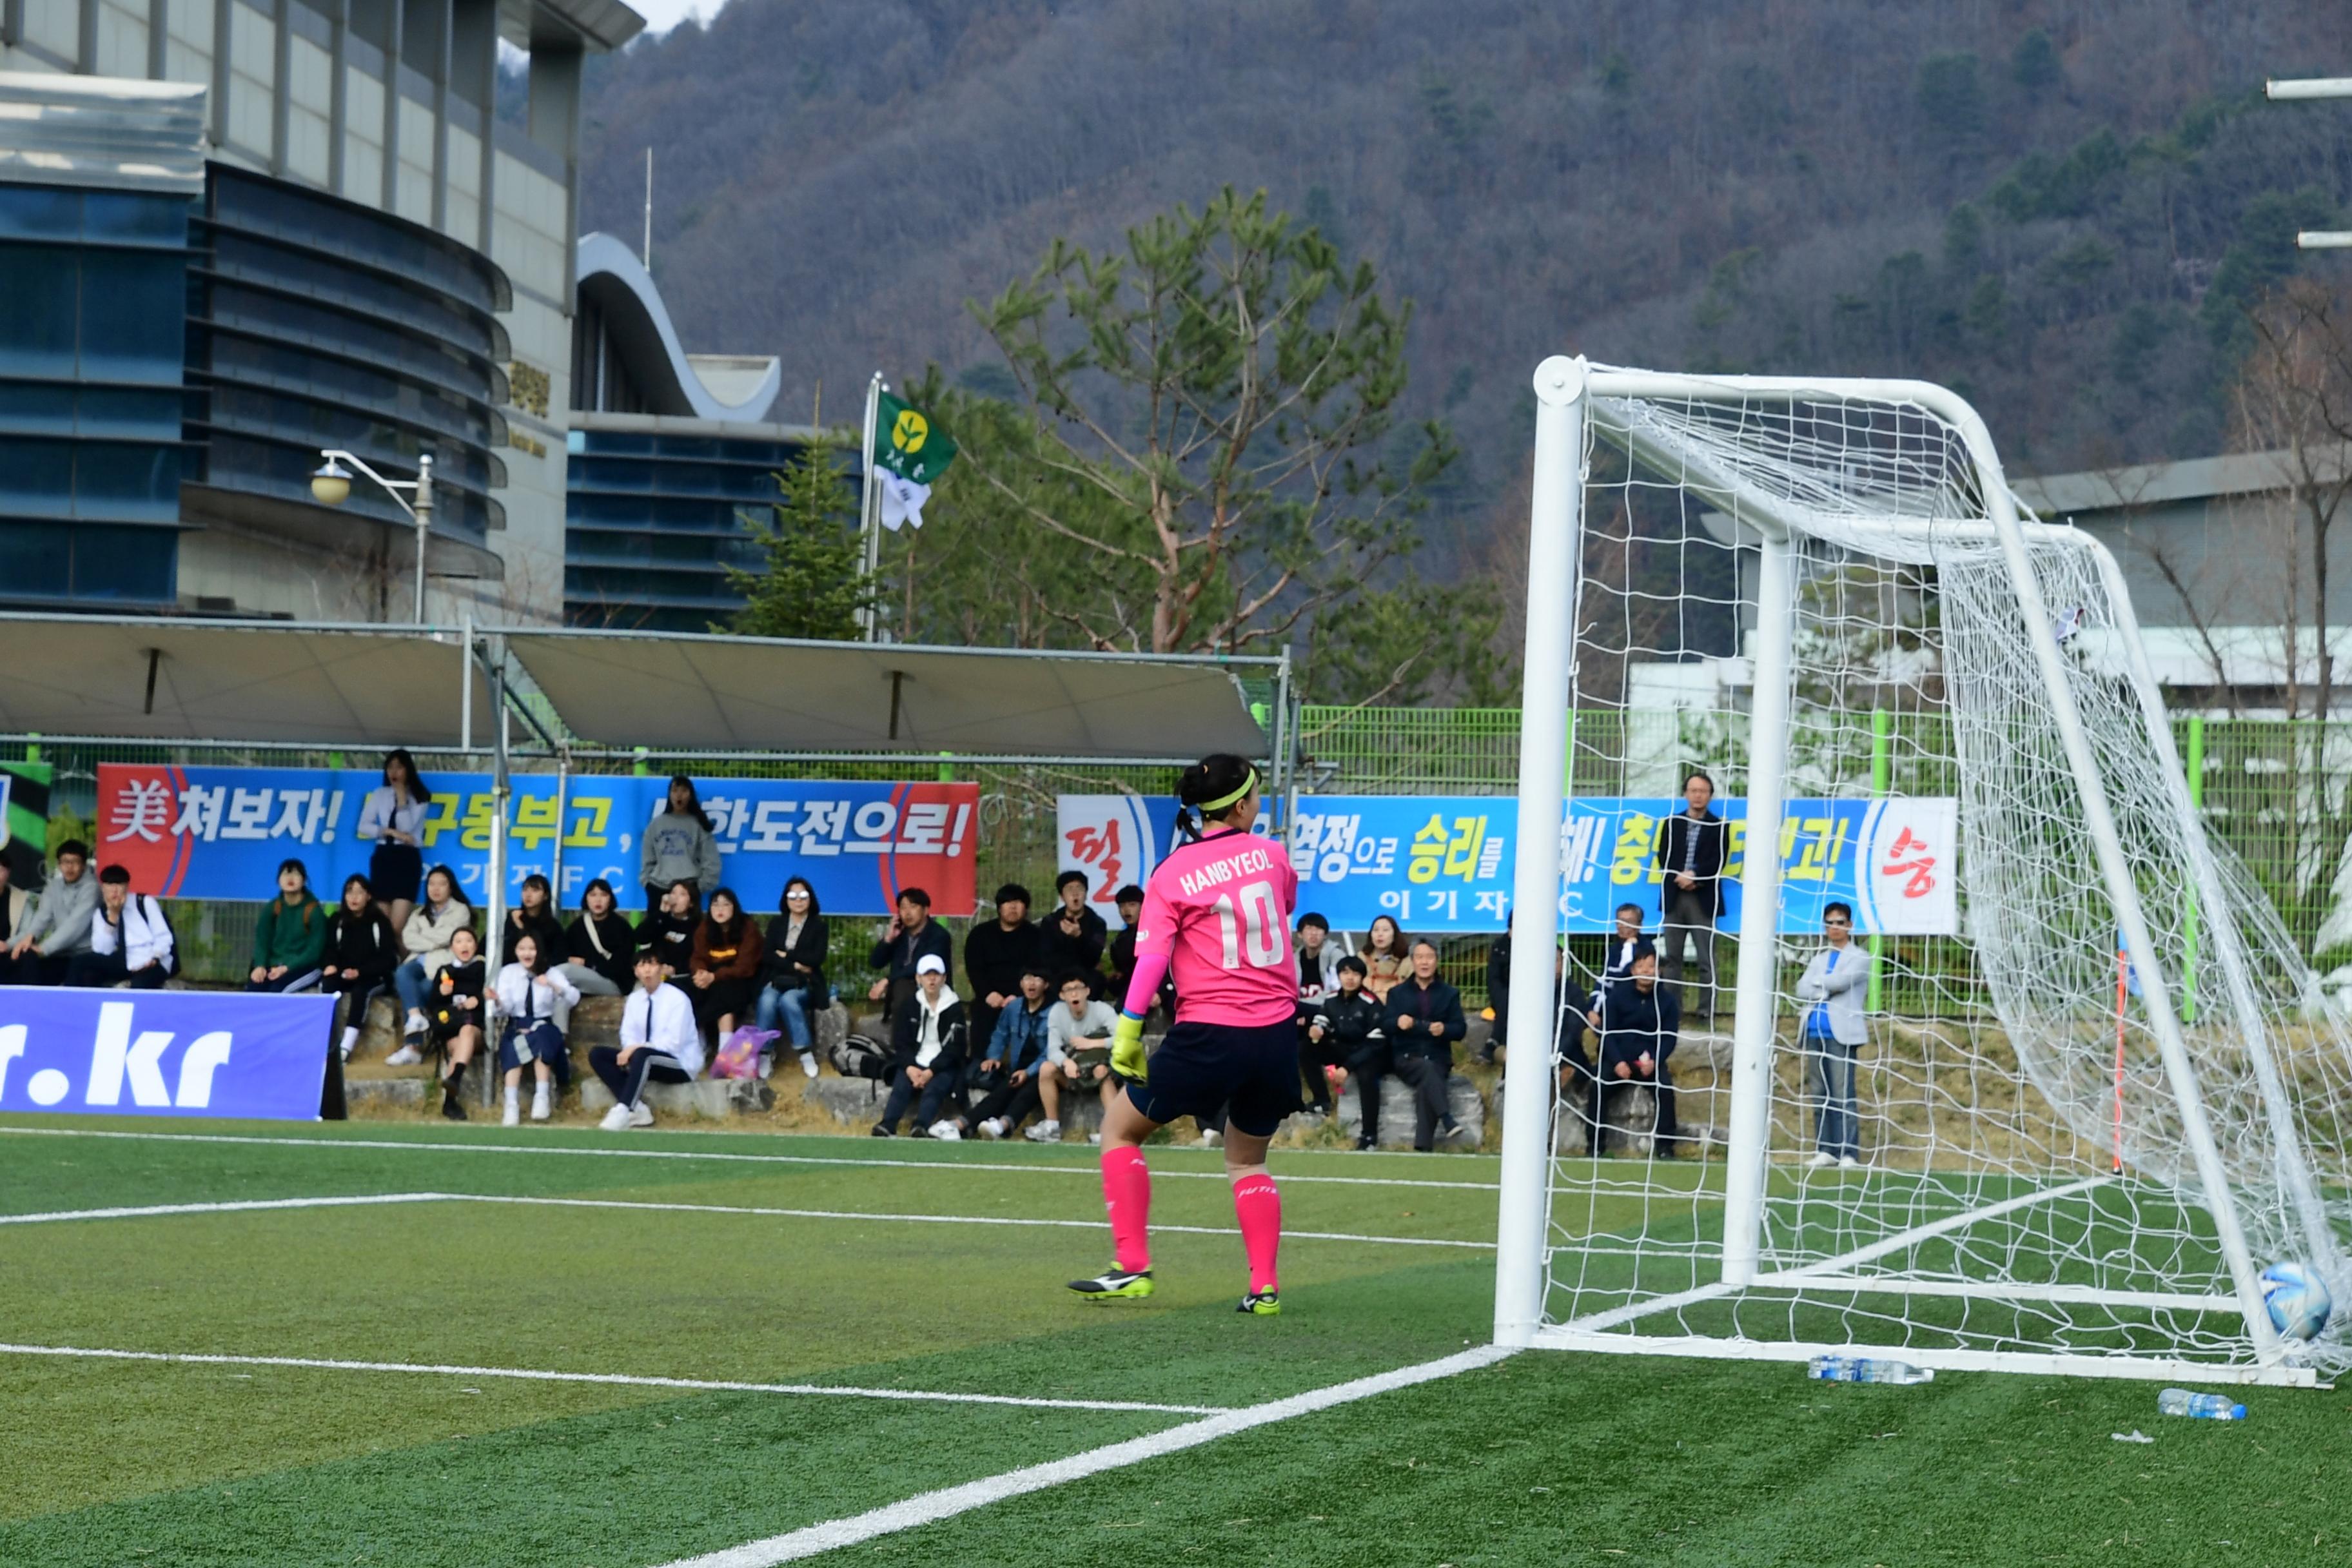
1218, 910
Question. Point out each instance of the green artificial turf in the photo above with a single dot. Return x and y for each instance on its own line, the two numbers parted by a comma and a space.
1544, 1458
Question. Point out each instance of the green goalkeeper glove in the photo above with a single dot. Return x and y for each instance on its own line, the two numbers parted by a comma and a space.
1127, 1048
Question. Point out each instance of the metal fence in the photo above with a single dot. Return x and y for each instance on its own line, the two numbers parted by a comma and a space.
2276, 791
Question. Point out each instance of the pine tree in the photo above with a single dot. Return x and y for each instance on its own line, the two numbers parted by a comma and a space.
810, 583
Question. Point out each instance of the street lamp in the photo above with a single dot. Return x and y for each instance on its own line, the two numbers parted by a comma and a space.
332, 486
2287, 91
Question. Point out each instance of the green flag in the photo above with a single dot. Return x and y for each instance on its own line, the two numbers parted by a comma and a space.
909, 455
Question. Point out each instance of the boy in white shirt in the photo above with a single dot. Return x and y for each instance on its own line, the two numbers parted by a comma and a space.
130, 938
658, 1042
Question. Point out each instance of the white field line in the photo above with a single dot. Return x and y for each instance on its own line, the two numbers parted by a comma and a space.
864, 1218
528, 1374
854, 1161
152, 1210
929, 1508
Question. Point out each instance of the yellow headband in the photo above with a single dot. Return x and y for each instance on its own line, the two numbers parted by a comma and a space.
1248, 784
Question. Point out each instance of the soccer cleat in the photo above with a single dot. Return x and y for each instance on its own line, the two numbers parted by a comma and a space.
1261, 1304
1115, 1285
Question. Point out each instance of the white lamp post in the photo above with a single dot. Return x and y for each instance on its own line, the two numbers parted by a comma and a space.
332, 486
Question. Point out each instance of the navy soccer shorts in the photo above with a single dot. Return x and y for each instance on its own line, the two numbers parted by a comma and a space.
1250, 1072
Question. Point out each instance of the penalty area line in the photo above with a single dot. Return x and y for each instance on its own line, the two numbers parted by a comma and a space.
929, 1508
625, 1380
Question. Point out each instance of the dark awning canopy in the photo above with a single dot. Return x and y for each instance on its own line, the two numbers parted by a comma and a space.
163, 678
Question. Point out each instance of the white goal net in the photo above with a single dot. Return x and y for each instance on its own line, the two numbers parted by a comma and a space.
2099, 1094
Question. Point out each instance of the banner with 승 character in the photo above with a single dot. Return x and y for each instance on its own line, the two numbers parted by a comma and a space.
1444, 863
220, 833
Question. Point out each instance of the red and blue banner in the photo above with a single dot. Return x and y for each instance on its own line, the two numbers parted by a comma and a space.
220, 833
1444, 863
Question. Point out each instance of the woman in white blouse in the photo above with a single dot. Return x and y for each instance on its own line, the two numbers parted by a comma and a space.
528, 1035
393, 816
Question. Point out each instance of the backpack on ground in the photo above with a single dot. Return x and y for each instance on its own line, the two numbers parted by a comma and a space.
860, 1055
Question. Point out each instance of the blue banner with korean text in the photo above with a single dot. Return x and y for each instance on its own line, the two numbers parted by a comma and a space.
165, 1053
1444, 863
220, 833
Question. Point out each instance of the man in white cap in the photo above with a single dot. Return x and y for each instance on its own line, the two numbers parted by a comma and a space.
927, 1050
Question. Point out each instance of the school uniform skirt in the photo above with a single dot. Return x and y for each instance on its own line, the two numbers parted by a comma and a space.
396, 870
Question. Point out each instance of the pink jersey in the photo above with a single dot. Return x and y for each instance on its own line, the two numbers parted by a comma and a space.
1220, 908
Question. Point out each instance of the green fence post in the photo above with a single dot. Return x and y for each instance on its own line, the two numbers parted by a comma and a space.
1882, 733
2195, 763
947, 773
637, 768
32, 747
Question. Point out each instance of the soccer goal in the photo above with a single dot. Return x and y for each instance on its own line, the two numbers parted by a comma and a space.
2099, 1096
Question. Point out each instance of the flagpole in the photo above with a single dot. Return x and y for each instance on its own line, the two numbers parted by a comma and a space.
869, 515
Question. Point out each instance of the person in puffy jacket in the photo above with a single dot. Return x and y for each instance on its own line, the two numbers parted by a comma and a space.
425, 941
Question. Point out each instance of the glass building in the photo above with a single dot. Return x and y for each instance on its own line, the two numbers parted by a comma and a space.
238, 231
667, 451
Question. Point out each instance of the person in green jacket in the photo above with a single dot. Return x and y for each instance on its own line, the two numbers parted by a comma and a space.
291, 937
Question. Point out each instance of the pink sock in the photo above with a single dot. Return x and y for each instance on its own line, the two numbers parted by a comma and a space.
1259, 1207
1127, 1193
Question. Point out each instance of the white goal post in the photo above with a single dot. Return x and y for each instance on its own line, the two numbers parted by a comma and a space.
2093, 1113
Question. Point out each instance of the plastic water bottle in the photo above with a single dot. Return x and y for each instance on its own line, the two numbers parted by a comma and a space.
1866, 1369
2200, 1406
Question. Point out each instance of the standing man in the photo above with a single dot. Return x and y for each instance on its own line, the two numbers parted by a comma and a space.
41, 949
1831, 990
1074, 934
1691, 854
996, 953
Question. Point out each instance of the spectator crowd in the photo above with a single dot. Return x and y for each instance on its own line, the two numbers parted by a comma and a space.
706, 981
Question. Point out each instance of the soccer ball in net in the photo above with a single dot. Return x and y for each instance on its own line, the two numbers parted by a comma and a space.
2298, 1301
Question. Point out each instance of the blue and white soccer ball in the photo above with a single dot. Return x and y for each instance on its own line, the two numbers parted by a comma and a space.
2297, 1299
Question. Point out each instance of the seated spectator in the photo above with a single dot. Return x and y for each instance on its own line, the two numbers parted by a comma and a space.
41, 951
452, 1016
678, 848
1121, 950
658, 1045
1007, 1078
600, 945
1421, 1018
1386, 961
1498, 1000
362, 953
1074, 934
1638, 1021
130, 938
996, 954
1625, 943
911, 936
927, 1049
795, 988
15, 906
289, 940
726, 975
1319, 958
1077, 1051
527, 998
668, 933
1831, 990
1344, 1036
534, 912
425, 946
